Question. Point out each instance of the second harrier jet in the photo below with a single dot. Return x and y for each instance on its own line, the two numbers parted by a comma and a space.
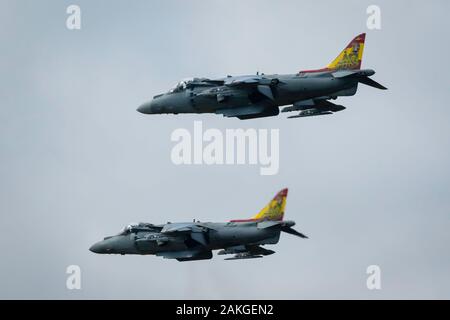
196, 240
260, 95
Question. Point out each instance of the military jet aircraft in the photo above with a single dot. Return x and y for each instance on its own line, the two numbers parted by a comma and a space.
260, 95
196, 240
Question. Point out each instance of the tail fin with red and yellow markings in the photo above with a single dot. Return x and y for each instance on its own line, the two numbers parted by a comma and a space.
273, 211
351, 57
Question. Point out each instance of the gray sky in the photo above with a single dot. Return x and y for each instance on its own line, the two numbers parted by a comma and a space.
370, 185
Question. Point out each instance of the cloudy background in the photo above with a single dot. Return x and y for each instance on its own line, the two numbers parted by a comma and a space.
370, 185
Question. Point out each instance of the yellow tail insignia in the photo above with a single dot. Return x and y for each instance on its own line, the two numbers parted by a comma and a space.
351, 56
274, 209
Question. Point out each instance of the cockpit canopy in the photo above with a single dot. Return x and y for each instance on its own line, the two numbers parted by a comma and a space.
135, 227
182, 85
126, 230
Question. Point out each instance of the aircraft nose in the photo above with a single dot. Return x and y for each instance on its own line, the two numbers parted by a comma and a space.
145, 108
98, 247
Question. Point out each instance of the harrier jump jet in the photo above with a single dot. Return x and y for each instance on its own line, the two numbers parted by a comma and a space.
196, 240
255, 96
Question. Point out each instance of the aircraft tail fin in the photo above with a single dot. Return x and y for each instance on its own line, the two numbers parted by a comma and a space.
274, 210
351, 57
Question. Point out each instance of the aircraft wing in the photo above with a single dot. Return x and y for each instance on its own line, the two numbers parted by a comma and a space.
177, 227
195, 230
186, 227
242, 80
261, 88
264, 86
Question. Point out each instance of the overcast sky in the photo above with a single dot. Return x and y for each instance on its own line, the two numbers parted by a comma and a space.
369, 185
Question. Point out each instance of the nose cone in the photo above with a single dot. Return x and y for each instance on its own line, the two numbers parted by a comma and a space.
99, 247
145, 108
123, 244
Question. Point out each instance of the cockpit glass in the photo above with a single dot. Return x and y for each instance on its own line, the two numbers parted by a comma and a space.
122, 232
126, 230
182, 85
